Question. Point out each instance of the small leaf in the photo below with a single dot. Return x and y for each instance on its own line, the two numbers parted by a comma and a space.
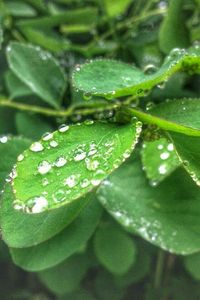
167, 215
113, 79
62, 245
38, 70
180, 115
117, 7
114, 249
66, 277
71, 162
192, 265
19, 9
88, 15
188, 152
173, 31
10, 148
31, 230
140, 268
159, 160
16, 87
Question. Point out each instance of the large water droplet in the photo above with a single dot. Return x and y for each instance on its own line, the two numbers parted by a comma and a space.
60, 162
36, 147
47, 136
71, 181
44, 167
63, 128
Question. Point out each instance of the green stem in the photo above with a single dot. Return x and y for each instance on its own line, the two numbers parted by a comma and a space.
90, 109
159, 270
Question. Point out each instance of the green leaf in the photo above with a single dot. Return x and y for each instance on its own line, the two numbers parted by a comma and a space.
166, 215
159, 160
106, 288
114, 248
19, 9
112, 79
178, 115
140, 268
117, 7
66, 277
16, 87
88, 15
173, 31
31, 126
10, 148
61, 246
71, 162
79, 294
32, 229
38, 70
192, 265
188, 152
46, 40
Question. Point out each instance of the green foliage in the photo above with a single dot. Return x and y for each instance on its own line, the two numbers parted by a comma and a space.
114, 249
98, 197
38, 70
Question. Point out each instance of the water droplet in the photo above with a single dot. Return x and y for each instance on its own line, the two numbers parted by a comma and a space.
18, 205
170, 147
36, 147
150, 69
162, 169
45, 181
60, 162
127, 153
164, 155
71, 181
3, 139
79, 155
44, 167
20, 157
47, 136
160, 147
53, 144
84, 183
91, 165
63, 128
87, 96
88, 122
59, 196
38, 204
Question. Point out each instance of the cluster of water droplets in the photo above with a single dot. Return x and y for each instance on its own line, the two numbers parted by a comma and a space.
95, 159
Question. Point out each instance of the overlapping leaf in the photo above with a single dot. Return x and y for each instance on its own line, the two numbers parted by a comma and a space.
166, 215
62, 245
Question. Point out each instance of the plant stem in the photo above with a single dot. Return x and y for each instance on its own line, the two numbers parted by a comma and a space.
159, 269
90, 109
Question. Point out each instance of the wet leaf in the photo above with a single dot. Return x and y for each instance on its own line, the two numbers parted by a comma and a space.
66, 277
16, 87
69, 163
113, 79
49, 254
166, 215
38, 70
188, 152
159, 160
10, 148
